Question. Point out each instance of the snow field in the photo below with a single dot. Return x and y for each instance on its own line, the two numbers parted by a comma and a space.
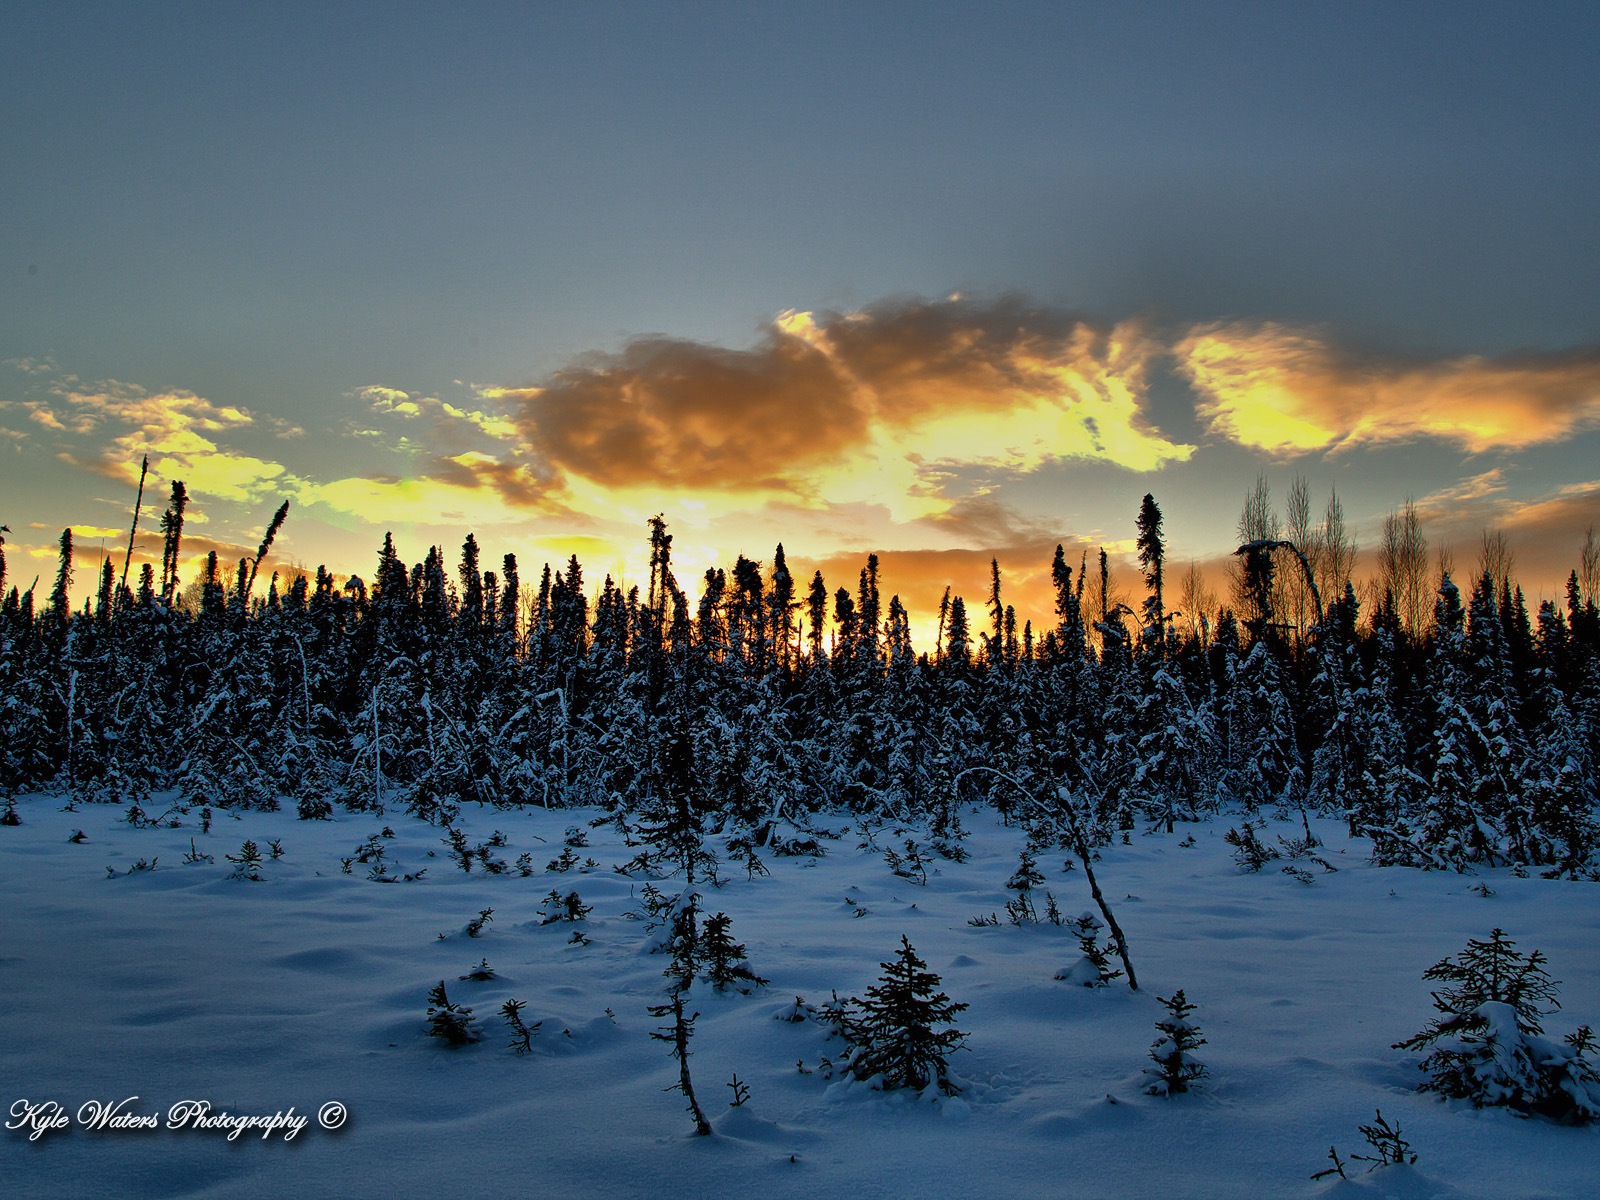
182, 983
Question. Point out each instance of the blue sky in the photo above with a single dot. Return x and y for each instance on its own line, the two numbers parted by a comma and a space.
318, 219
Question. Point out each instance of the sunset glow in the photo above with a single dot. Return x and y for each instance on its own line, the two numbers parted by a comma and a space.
946, 326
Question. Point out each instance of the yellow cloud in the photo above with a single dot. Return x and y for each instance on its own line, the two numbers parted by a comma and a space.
179, 431
210, 471
1288, 391
462, 502
1467, 491
43, 416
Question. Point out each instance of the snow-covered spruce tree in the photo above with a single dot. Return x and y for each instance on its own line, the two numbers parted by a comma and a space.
724, 959
680, 937
1022, 881
1094, 968
900, 1032
1249, 851
1560, 782
1486, 1044
672, 811
1465, 800
1381, 798
28, 678
226, 733
1173, 736
1492, 698
247, 863
1176, 1066
1266, 757
1339, 757
449, 1020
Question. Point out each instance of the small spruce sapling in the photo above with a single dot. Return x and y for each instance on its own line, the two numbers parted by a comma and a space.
1486, 1044
521, 1034
911, 865
1027, 875
683, 940
1021, 911
564, 908
1094, 968
449, 1020
247, 863
1336, 1169
465, 854
744, 850
1391, 1150
842, 1018
1176, 1066
566, 862
1249, 851
724, 958
796, 1013
475, 926
456, 842
899, 1032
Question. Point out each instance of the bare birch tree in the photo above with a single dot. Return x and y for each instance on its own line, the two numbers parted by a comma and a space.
1403, 566
1589, 568
1335, 559
1496, 559
1198, 601
1298, 529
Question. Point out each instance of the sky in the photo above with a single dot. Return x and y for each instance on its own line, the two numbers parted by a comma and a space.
946, 283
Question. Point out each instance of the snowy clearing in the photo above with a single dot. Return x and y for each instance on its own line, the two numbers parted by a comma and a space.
311, 986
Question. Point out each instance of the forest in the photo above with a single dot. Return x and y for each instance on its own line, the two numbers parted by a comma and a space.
1462, 737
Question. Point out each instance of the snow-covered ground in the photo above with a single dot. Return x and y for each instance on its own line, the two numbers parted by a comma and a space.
311, 987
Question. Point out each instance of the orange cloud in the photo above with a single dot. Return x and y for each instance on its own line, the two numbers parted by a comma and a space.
867, 407
1288, 391
687, 414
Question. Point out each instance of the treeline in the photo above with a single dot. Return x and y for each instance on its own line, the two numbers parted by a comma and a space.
1472, 740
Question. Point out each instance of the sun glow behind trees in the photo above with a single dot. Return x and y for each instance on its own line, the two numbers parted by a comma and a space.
939, 434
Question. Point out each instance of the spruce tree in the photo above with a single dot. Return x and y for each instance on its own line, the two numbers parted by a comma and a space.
901, 1031
1176, 1068
723, 958
449, 1020
1486, 1044
1152, 557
